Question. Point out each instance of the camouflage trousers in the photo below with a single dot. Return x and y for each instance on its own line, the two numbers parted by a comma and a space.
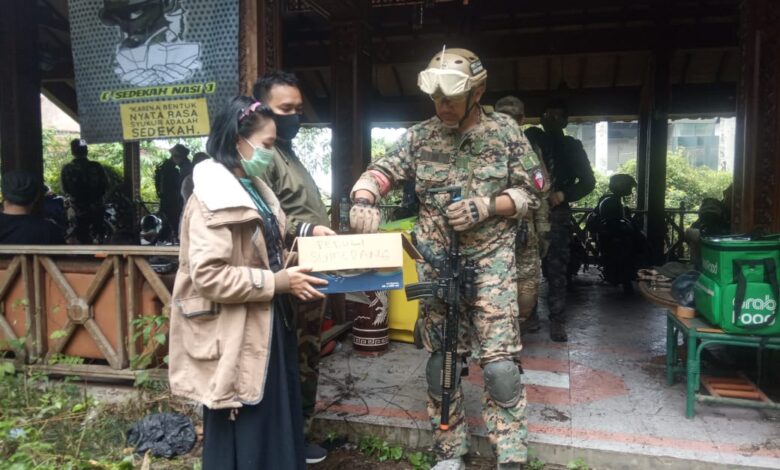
529, 272
556, 264
308, 317
488, 331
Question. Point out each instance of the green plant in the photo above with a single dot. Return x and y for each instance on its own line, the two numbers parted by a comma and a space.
7, 368
421, 460
534, 464
59, 358
152, 331
380, 449
578, 464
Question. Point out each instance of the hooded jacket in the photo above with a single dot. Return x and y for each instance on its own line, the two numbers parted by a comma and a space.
222, 311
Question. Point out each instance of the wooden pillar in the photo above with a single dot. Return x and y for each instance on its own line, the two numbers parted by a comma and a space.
20, 89
656, 163
756, 204
643, 138
260, 40
132, 181
350, 123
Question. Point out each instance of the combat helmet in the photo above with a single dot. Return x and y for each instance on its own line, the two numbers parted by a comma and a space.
452, 72
621, 184
510, 105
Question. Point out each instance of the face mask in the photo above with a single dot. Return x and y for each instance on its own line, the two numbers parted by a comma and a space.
261, 158
287, 125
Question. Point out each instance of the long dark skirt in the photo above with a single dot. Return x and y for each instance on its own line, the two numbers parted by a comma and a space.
268, 435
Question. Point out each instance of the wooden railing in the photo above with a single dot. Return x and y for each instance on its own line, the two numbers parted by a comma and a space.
82, 302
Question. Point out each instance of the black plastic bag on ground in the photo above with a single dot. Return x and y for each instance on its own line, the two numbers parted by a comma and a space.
165, 434
682, 288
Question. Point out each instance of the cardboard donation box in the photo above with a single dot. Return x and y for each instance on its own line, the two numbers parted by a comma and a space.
356, 263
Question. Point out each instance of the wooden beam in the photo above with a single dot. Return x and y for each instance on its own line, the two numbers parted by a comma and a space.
269, 32
685, 67
131, 183
64, 96
517, 44
616, 70
398, 82
20, 102
248, 45
660, 90
756, 205
323, 84
721, 66
591, 103
350, 102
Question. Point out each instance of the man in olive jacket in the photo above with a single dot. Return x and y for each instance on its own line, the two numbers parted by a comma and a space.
301, 201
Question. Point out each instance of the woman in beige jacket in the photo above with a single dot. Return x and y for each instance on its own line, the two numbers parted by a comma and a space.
232, 344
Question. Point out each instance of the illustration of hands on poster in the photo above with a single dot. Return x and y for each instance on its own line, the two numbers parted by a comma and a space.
151, 49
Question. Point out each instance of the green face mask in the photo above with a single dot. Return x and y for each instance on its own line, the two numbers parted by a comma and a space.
261, 158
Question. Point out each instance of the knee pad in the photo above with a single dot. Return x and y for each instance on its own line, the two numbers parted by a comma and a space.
502, 382
433, 373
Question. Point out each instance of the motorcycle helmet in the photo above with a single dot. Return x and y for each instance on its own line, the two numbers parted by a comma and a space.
151, 225
621, 184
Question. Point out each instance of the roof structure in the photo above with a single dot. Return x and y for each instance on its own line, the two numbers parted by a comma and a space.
596, 54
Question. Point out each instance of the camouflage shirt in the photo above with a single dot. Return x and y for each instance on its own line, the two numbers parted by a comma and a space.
489, 158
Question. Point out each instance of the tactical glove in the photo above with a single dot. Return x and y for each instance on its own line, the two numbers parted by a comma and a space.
465, 214
364, 216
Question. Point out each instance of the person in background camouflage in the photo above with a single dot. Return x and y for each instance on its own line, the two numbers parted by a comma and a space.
572, 179
532, 233
487, 156
85, 182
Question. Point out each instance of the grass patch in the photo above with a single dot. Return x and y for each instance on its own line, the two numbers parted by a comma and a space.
55, 424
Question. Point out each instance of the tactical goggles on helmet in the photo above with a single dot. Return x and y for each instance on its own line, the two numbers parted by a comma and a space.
450, 82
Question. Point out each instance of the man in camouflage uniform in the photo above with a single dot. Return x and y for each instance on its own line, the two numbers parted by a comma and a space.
487, 156
85, 182
532, 233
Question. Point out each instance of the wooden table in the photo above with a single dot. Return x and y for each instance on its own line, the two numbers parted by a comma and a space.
699, 334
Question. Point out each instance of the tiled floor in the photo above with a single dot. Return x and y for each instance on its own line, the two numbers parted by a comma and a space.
602, 392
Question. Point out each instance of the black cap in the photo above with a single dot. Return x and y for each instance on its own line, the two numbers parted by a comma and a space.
78, 147
21, 187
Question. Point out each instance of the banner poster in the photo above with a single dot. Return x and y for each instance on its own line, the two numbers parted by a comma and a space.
152, 69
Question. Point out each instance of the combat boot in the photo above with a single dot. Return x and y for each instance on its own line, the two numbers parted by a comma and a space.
558, 331
531, 324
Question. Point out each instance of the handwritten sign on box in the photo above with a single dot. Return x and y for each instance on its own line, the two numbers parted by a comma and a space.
369, 251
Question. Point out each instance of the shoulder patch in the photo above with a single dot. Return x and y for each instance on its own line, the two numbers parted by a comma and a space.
529, 161
538, 177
